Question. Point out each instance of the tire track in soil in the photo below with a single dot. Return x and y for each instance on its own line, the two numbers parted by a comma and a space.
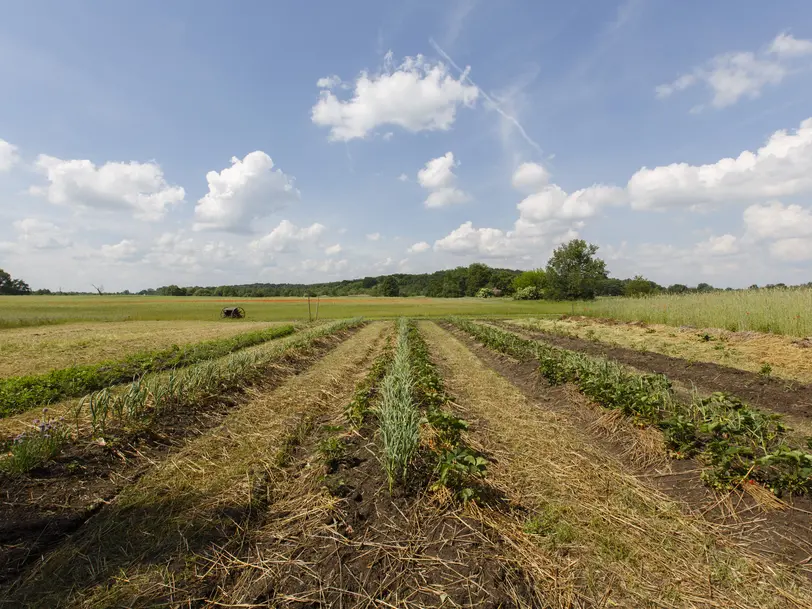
39, 510
768, 393
783, 535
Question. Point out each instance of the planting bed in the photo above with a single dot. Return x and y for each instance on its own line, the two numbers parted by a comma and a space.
401, 464
760, 390
42, 506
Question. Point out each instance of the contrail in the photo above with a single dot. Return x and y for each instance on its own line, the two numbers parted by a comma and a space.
464, 74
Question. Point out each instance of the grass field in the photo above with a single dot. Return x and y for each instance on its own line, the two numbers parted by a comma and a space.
16, 311
32, 350
775, 310
425, 462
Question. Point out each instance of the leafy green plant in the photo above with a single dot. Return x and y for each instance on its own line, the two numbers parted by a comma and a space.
457, 468
32, 449
332, 451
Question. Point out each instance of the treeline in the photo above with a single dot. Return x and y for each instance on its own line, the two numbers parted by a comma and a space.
453, 283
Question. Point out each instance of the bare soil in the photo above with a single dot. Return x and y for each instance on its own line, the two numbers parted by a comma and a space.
39, 509
784, 535
759, 390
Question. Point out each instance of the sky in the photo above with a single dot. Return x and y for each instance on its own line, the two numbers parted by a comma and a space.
197, 142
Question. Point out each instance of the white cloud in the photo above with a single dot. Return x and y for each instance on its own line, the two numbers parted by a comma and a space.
419, 247
553, 203
417, 95
286, 237
403, 177
778, 221
179, 252
329, 266
39, 234
792, 250
251, 188
8, 155
124, 250
720, 246
787, 45
139, 187
438, 178
333, 249
374, 236
329, 82
731, 76
779, 168
467, 240
530, 177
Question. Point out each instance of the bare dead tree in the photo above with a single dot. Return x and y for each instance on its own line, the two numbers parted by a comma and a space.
99, 288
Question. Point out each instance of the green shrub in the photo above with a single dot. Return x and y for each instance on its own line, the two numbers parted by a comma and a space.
32, 449
528, 293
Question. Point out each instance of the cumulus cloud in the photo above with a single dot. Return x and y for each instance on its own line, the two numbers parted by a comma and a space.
438, 178
8, 155
722, 245
124, 250
779, 168
552, 203
417, 95
328, 82
374, 236
39, 234
137, 187
329, 266
419, 247
177, 251
792, 250
530, 177
250, 189
732, 76
467, 240
287, 237
333, 249
775, 220
403, 177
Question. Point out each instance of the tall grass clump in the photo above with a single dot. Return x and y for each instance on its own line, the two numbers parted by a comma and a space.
776, 310
398, 415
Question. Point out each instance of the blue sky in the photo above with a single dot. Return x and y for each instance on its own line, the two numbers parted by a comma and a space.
146, 143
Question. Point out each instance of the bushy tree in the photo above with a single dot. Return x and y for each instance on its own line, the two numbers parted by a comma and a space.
639, 286
536, 278
574, 271
704, 287
677, 288
12, 286
389, 287
531, 292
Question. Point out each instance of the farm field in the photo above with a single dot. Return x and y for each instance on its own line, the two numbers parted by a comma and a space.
33, 350
406, 463
780, 311
16, 311
768, 354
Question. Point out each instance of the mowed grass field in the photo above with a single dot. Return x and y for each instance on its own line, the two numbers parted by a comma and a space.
17, 311
37, 349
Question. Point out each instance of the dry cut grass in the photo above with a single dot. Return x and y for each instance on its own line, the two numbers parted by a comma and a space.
601, 536
135, 551
787, 357
41, 349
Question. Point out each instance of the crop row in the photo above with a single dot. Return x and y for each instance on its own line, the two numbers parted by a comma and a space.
147, 397
737, 442
18, 394
422, 439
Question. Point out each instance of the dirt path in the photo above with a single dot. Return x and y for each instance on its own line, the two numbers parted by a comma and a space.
134, 550
609, 536
769, 393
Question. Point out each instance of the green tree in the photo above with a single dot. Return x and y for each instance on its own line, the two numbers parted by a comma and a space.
12, 286
574, 271
530, 279
478, 277
677, 288
639, 286
389, 287
704, 287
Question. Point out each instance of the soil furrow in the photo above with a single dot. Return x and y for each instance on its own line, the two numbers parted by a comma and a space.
40, 509
608, 532
769, 393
